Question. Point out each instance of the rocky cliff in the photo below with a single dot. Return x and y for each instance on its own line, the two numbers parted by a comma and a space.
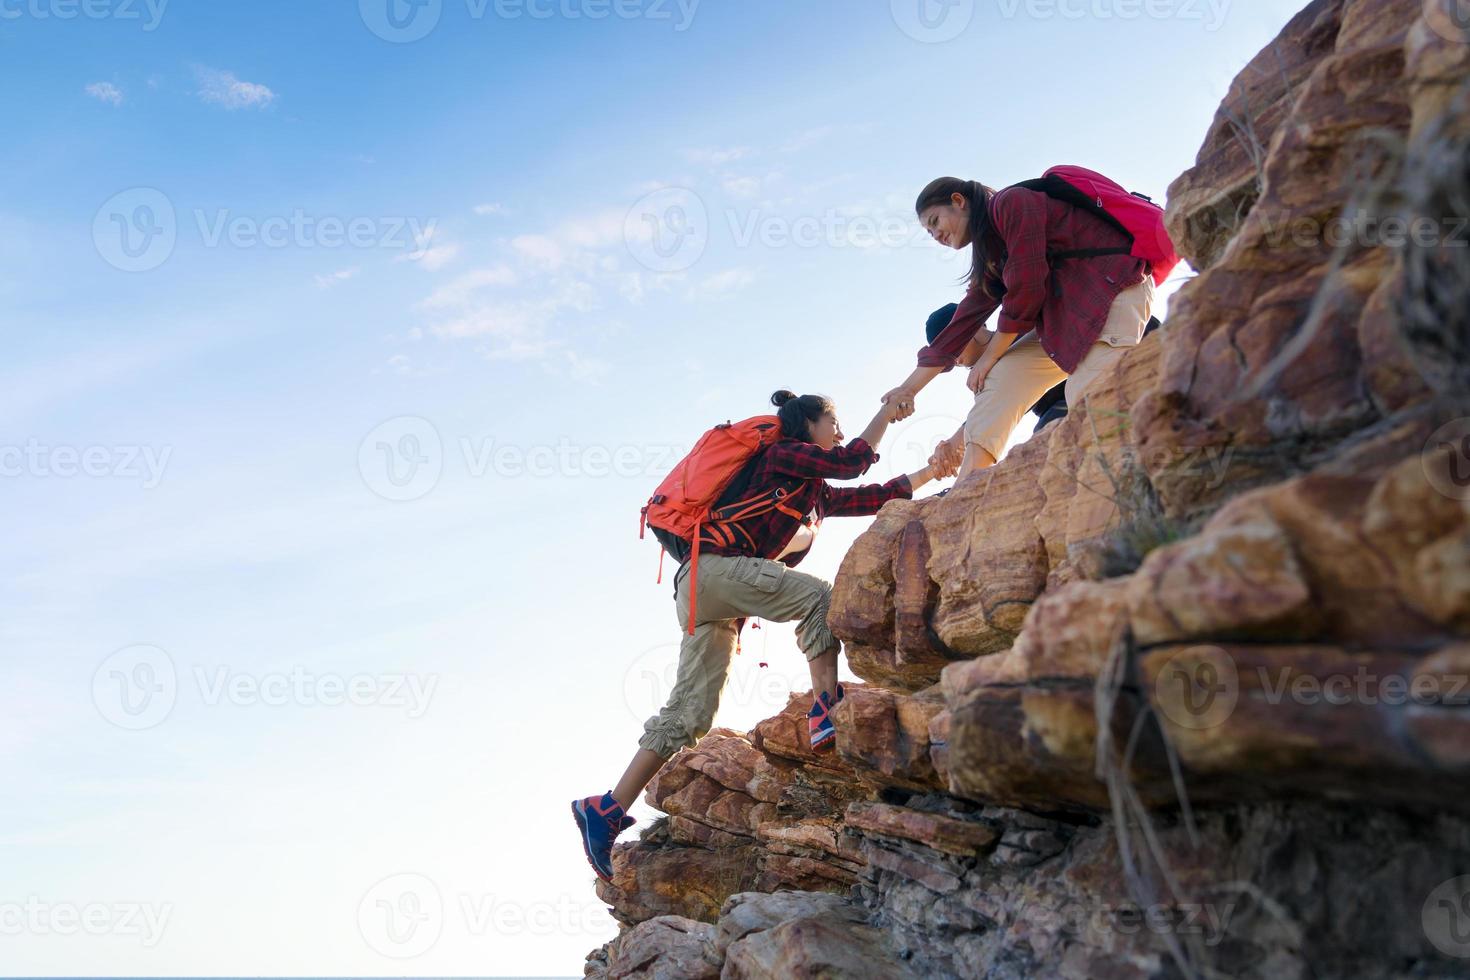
1180, 687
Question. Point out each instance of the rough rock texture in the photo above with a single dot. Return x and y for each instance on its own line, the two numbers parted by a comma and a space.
1181, 688
1208, 202
1281, 288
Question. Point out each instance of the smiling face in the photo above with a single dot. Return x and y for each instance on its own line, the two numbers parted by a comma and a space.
826, 431
948, 224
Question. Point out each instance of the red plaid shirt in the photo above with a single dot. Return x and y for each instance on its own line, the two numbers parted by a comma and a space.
802, 469
1066, 304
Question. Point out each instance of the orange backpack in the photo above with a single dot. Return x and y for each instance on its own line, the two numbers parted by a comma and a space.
689, 500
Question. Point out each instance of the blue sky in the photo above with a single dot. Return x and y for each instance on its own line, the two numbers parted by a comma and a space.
324, 594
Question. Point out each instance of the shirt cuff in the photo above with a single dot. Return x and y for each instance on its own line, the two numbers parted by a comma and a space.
928, 359
1009, 324
905, 487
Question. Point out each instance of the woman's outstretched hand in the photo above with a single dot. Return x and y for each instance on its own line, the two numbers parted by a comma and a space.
900, 402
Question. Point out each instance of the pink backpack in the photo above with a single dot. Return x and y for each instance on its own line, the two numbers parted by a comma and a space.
1136, 215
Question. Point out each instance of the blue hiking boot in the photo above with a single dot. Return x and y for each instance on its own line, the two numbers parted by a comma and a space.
600, 820
819, 721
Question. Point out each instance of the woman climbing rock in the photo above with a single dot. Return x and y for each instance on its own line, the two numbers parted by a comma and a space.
1066, 260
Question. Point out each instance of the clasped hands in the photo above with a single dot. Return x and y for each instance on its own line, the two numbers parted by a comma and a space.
948, 455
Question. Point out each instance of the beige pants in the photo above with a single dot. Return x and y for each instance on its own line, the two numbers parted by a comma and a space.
1025, 372
731, 589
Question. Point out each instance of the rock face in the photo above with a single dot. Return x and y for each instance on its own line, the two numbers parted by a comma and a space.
1181, 688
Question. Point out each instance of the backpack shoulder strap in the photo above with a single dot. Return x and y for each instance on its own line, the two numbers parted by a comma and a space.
1054, 186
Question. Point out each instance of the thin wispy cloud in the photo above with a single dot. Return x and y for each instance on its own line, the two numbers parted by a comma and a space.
578, 242
540, 249
462, 289
722, 284
485, 210
818, 135
105, 92
432, 255
741, 186
436, 257
334, 278
717, 157
222, 88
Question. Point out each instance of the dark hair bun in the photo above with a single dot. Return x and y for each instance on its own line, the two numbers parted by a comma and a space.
782, 397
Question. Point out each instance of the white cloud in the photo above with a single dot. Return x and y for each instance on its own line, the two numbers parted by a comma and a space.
505, 331
595, 231
222, 88
809, 138
431, 255
566, 271
485, 210
717, 157
506, 321
722, 283
105, 92
821, 134
742, 186
333, 278
747, 185
541, 249
584, 368
435, 257
460, 290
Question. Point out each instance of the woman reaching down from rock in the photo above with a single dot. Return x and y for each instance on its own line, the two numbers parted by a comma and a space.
739, 562
1074, 297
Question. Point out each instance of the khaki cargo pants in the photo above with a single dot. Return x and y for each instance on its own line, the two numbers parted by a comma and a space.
1025, 372
731, 589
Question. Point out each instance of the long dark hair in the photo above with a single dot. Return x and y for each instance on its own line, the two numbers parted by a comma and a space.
986, 249
797, 413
